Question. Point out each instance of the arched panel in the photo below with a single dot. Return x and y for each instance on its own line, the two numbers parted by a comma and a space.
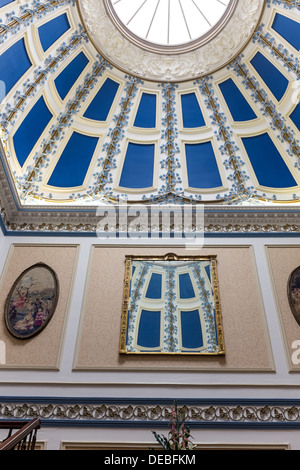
288, 29
236, 102
146, 113
72, 166
273, 78
51, 31
70, 74
100, 106
14, 62
269, 166
191, 113
202, 168
138, 167
31, 130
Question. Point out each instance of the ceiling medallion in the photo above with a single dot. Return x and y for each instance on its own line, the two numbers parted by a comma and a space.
164, 60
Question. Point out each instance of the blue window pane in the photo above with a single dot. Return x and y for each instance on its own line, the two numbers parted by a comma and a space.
191, 331
31, 129
69, 75
191, 112
237, 104
101, 104
273, 78
138, 166
149, 329
288, 29
14, 62
185, 286
268, 164
74, 162
51, 31
202, 167
146, 114
154, 287
295, 116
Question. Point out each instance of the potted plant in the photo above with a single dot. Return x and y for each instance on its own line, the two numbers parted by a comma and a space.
179, 437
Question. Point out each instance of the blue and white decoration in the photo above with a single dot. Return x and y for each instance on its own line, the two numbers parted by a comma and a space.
231, 137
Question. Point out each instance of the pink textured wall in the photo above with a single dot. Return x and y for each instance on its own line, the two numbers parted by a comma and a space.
282, 262
246, 338
43, 350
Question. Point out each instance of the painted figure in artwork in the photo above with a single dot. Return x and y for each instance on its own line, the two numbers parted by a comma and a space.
31, 301
294, 293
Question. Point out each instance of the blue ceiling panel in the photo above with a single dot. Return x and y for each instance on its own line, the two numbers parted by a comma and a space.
269, 166
191, 113
237, 104
273, 78
69, 75
31, 130
52, 30
288, 29
5, 2
202, 167
100, 106
146, 114
74, 162
14, 62
137, 170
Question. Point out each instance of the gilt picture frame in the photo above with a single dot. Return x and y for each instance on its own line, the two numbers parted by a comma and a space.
171, 305
293, 293
31, 301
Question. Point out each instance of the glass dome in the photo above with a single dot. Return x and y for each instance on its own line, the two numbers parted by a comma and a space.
167, 23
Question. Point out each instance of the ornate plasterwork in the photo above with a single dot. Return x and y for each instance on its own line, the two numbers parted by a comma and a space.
163, 67
108, 222
103, 412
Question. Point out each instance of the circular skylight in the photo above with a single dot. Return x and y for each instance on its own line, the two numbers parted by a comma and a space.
169, 23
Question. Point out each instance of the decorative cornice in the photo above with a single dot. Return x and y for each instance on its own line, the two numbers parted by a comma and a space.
153, 413
105, 222
165, 67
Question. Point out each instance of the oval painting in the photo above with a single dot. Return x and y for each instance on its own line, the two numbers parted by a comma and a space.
294, 293
31, 301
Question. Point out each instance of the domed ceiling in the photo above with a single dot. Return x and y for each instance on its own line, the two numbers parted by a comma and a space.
97, 107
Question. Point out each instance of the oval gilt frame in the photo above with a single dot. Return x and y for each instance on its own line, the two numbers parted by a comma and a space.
293, 292
31, 301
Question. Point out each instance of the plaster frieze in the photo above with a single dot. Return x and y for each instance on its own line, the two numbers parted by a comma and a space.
136, 60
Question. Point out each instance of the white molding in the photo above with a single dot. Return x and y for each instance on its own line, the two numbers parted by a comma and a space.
163, 67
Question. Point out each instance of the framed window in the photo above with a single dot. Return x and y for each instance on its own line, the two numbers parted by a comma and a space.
171, 305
